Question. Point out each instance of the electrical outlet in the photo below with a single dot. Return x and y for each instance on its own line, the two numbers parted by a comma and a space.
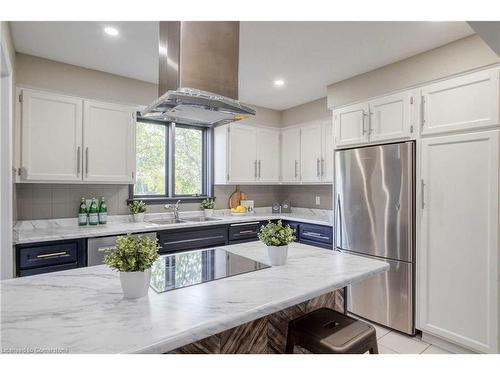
318, 201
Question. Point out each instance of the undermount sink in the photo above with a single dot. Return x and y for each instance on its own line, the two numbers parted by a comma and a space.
199, 219
166, 221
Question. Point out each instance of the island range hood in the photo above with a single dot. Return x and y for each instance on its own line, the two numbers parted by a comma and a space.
198, 80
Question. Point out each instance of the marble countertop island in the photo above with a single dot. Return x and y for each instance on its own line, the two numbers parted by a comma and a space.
83, 310
63, 229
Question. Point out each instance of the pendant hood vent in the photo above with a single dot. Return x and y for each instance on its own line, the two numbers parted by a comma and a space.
198, 74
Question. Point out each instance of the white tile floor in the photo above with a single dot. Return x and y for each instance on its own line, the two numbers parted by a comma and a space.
392, 342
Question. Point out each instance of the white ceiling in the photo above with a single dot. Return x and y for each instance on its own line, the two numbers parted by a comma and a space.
134, 53
307, 55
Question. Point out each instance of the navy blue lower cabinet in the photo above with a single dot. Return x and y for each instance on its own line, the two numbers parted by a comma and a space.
36, 258
245, 232
316, 235
192, 238
313, 234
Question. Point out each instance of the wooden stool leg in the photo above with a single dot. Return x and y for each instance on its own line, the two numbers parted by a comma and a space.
374, 348
290, 342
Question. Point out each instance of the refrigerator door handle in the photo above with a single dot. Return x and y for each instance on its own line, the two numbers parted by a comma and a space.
422, 188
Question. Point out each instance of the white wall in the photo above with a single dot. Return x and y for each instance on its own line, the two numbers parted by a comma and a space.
315, 110
453, 58
7, 61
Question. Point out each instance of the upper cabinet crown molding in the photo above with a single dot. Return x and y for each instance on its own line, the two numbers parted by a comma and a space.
70, 139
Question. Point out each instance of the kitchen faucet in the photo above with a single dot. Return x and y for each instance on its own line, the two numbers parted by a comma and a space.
174, 208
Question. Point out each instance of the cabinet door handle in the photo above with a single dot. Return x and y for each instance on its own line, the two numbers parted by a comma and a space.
322, 166
364, 121
87, 161
52, 255
78, 151
317, 167
296, 169
422, 187
260, 168
370, 129
255, 169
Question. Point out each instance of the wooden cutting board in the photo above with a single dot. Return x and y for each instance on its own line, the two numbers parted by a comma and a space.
236, 197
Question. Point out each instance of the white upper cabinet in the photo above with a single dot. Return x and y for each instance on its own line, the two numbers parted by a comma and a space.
108, 142
351, 125
390, 117
310, 153
242, 153
383, 119
69, 139
268, 154
458, 258
466, 102
327, 151
51, 129
290, 155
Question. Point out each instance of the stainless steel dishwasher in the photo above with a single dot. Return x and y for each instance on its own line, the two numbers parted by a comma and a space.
96, 247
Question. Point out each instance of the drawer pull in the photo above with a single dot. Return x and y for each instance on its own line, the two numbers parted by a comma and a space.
50, 255
246, 231
193, 240
312, 234
240, 224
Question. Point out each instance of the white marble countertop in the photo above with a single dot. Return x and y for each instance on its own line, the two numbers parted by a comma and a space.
62, 229
83, 310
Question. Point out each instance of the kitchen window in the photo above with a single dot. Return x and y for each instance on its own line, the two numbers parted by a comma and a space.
172, 162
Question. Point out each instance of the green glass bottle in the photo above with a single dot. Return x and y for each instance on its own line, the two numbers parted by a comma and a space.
82, 213
93, 213
103, 212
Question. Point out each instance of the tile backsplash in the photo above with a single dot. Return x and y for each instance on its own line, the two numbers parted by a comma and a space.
54, 201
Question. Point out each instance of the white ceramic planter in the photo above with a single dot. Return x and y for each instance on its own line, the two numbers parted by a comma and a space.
135, 284
209, 212
277, 255
139, 218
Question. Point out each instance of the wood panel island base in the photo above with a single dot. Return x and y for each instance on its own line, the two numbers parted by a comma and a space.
266, 335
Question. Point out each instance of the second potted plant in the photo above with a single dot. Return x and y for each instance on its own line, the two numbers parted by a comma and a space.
137, 209
208, 206
277, 237
133, 257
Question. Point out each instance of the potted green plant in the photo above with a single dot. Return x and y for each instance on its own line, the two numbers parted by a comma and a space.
277, 237
207, 205
137, 209
133, 257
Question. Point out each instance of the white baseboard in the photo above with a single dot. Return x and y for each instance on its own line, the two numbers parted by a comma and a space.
446, 345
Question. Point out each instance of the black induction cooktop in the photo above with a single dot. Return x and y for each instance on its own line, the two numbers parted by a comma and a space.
200, 266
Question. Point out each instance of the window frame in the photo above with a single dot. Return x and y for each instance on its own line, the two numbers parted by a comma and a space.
207, 167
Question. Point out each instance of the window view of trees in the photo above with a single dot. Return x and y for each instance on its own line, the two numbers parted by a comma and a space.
153, 159
150, 148
188, 161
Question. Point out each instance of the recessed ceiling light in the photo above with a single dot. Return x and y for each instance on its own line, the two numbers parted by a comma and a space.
279, 82
111, 31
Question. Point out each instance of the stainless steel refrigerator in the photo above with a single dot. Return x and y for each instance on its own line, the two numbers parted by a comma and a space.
374, 217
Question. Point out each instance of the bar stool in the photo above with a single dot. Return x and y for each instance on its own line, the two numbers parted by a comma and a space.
328, 331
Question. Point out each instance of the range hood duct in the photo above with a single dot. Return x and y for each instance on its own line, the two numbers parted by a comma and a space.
198, 74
